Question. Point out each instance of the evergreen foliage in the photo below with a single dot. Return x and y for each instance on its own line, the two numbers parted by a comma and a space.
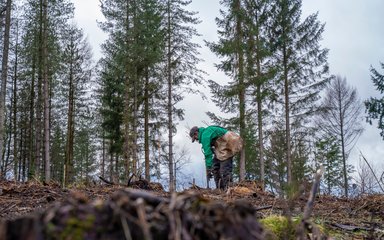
119, 119
375, 106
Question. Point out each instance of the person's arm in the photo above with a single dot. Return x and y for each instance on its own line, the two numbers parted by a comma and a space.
206, 146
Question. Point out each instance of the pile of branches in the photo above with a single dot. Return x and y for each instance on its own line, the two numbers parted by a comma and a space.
138, 214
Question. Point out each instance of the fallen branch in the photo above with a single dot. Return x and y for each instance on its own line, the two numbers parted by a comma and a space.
349, 227
106, 181
263, 208
378, 182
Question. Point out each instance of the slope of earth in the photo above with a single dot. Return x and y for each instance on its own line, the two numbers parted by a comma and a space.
358, 218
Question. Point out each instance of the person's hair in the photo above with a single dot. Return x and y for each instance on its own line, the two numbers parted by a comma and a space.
193, 131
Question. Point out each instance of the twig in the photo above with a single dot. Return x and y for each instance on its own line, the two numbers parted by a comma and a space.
130, 179
143, 222
8, 208
263, 208
349, 227
3, 11
195, 186
127, 232
309, 206
106, 181
148, 197
381, 187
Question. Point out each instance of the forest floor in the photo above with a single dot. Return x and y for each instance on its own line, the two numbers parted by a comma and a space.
340, 218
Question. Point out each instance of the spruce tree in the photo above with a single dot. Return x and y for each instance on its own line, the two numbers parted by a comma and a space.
327, 153
4, 79
231, 47
181, 71
130, 72
75, 80
375, 106
40, 63
302, 67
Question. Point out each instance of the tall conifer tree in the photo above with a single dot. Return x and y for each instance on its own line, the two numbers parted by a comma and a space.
181, 66
302, 67
231, 47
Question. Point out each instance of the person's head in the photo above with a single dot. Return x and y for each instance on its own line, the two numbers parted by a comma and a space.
194, 133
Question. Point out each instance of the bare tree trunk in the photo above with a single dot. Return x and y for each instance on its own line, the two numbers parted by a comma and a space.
47, 156
39, 103
239, 34
14, 99
287, 120
134, 128
343, 153
4, 77
103, 157
169, 107
70, 132
261, 144
146, 127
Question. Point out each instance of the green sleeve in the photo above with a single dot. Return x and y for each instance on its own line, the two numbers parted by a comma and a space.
206, 146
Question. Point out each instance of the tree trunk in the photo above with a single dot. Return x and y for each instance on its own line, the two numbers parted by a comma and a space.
287, 119
47, 156
345, 174
4, 76
103, 157
70, 131
169, 107
146, 126
260, 129
39, 103
15, 107
239, 34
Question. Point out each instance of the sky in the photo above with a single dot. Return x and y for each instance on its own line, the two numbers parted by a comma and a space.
354, 34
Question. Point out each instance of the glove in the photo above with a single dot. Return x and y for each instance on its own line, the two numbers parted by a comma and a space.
209, 173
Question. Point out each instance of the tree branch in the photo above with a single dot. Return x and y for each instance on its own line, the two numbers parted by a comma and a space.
381, 187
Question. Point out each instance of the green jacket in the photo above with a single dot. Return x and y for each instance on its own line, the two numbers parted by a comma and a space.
205, 137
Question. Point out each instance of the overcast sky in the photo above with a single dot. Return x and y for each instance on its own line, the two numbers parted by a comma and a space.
354, 34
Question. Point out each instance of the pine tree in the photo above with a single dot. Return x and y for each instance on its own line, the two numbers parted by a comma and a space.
180, 66
130, 68
40, 63
375, 106
328, 154
302, 67
231, 47
4, 79
259, 71
77, 68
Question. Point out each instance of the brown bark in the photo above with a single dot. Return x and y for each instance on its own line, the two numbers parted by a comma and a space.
46, 89
239, 39
68, 174
146, 127
287, 118
4, 76
169, 107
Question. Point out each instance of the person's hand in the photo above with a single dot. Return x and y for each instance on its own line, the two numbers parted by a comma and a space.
209, 173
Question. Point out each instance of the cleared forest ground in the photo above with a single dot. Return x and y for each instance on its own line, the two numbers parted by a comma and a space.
22, 204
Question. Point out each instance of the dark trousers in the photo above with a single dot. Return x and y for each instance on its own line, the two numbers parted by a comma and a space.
222, 172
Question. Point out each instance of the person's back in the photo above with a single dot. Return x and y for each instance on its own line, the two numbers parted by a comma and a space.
214, 142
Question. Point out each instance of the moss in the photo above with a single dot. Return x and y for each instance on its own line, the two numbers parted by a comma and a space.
279, 226
76, 228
